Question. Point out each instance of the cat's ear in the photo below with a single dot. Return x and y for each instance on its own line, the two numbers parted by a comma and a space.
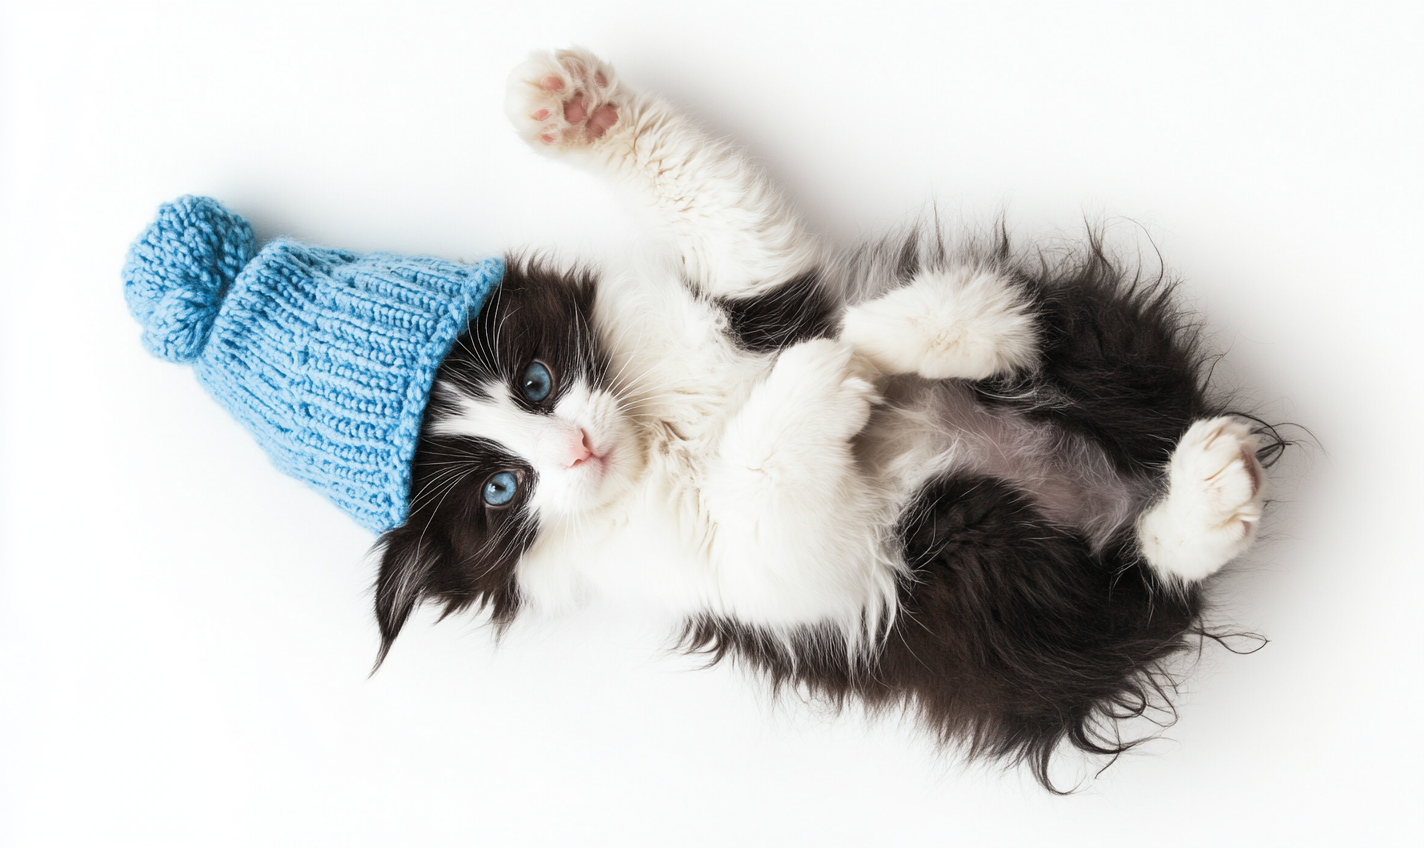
407, 561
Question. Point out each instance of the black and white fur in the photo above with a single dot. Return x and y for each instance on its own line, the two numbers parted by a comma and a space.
980, 489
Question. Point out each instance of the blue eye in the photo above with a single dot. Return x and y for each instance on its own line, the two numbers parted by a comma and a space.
500, 489
537, 382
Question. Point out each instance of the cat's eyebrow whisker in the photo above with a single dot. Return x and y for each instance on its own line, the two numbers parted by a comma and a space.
498, 350
444, 488
436, 485
420, 540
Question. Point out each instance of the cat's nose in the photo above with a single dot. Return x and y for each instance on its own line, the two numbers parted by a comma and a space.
577, 449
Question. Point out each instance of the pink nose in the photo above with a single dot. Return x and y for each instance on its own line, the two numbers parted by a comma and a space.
576, 449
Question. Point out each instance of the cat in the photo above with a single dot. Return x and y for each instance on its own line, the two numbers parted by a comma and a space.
955, 482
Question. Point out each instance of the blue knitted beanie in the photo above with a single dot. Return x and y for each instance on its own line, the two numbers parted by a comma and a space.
326, 356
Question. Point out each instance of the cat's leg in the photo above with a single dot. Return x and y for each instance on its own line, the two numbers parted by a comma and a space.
968, 323
1216, 490
796, 519
736, 234
1118, 366
1013, 626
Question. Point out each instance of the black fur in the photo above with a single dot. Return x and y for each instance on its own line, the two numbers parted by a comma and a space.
795, 311
1119, 362
1012, 635
453, 548
553, 313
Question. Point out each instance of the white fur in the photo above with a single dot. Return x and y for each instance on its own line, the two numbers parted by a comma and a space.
968, 323
796, 515
1216, 489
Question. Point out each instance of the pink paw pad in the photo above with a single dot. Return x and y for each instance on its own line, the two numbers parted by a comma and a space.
574, 110
596, 123
603, 119
571, 106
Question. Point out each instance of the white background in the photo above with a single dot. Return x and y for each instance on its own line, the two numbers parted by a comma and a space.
185, 634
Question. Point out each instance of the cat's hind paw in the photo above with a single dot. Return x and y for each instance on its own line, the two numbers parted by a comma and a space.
1215, 496
565, 100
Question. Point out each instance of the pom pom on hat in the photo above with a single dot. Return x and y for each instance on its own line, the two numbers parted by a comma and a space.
179, 270
326, 356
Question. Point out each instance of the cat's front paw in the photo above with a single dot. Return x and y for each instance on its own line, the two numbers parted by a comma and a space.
1215, 496
791, 441
825, 385
566, 100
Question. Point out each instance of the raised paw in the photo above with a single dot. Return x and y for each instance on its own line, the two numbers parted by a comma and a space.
966, 323
1216, 492
566, 100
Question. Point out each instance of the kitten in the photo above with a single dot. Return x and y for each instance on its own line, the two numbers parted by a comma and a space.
974, 488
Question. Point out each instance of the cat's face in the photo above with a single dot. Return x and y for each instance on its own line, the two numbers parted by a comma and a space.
522, 433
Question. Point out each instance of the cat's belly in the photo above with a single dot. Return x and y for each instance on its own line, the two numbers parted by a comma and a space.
932, 429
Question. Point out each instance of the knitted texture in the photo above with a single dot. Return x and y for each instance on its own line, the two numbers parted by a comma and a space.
326, 356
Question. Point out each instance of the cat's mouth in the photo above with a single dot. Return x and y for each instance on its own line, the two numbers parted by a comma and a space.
591, 462
596, 463
576, 450
584, 456
586, 483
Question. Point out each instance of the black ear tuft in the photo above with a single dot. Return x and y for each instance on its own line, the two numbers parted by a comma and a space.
406, 564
